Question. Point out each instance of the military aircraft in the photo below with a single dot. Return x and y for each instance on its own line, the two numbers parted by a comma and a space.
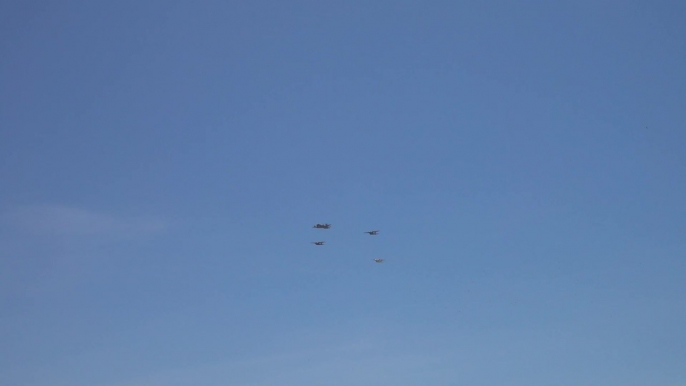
322, 226
373, 233
318, 242
378, 260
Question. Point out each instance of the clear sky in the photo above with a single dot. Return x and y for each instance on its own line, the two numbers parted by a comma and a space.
162, 164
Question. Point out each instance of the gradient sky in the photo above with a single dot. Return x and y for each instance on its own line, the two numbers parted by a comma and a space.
162, 164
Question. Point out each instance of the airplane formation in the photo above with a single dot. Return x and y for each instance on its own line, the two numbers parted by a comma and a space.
328, 226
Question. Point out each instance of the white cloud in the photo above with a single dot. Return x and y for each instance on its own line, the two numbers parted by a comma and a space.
363, 362
55, 220
48, 247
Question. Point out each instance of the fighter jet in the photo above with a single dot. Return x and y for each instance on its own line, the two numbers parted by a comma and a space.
318, 242
322, 226
373, 233
378, 260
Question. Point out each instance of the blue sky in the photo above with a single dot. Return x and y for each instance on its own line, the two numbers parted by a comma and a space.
162, 164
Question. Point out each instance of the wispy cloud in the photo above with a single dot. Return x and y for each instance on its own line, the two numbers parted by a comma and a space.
47, 247
56, 220
362, 361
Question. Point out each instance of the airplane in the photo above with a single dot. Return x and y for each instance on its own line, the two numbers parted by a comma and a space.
373, 233
378, 260
322, 226
318, 242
